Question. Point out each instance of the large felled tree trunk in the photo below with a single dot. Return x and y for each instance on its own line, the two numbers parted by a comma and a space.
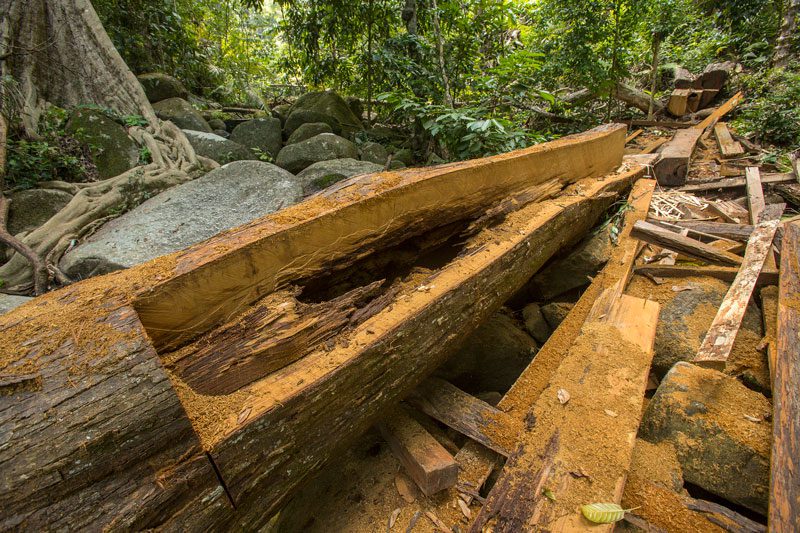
58, 52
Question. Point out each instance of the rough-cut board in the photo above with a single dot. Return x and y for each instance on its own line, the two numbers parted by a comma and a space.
293, 421
425, 461
766, 277
476, 461
784, 499
725, 230
718, 342
730, 211
652, 146
219, 278
467, 414
591, 436
673, 167
719, 112
769, 316
755, 194
727, 146
678, 103
734, 183
650, 233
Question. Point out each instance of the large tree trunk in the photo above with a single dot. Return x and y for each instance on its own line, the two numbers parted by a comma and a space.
783, 48
58, 52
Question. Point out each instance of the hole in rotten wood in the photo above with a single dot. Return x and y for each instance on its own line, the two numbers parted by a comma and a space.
291, 323
700, 493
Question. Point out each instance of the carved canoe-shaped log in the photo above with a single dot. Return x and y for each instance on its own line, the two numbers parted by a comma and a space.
101, 426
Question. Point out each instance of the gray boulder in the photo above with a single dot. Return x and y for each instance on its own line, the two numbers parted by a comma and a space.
405, 156
721, 431
10, 301
281, 112
328, 103
573, 270
306, 116
555, 312
308, 130
322, 147
262, 134
32, 208
158, 86
216, 124
492, 357
182, 114
320, 175
113, 152
374, 153
687, 313
229, 196
218, 148
535, 323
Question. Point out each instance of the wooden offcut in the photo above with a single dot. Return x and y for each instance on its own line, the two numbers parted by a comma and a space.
425, 461
467, 414
734, 183
650, 233
755, 194
766, 277
718, 342
723, 230
784, 494
678, 103
673, 167
727, 146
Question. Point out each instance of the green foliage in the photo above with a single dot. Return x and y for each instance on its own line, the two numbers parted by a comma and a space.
463, 132
53, 156
770, 111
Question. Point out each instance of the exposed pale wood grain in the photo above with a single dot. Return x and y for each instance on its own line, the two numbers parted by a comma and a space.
720, 111
633, 135
678, 103
467, 414
730, 211
529, 509
718, 342
733, 183
727, 146
725, 230
676, 155
426, 461
650, 233
755, 194
784, 499
769, 317
766, 277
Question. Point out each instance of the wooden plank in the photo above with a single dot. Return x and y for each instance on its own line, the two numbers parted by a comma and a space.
425, 461
476, 461
678, 103
730, 211
755, 194
719, 112
633, 135
673, 167
603, 413
718, 342
668, 124
467, 414
727, 146
291, 422
725, 230
767, 277
665, 238
733, 183
784, 494
652, 146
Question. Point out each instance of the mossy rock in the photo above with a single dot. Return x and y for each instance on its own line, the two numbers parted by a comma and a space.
308, 130
218, 148
182, 113
305, 116
325, 173
330, 104
113, 151
33, 207
262, 134
322, 147
159, 86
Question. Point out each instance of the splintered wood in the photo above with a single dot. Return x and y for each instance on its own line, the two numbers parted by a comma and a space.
784, 500
579, 451
718, 342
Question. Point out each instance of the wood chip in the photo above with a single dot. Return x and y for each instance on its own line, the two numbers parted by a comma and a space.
393, 517
464, 508
563, 396
437, 522
404, 488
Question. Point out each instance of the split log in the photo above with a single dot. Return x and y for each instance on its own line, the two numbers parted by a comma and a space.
542, 488
784, 499
665, 238
767, 277
733, 183
718, 342
673, 167
293, 421
678, 103
425, 461
467, 414
727, 146
633, 97
333, 229
715, 75
110, 440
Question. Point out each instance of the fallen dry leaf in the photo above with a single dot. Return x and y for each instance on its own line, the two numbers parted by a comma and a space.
404, 488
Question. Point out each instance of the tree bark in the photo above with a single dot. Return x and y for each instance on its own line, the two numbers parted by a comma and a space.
783, 47
58, 52
448, 96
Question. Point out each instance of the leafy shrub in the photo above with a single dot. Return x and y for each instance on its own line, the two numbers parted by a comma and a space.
771, 112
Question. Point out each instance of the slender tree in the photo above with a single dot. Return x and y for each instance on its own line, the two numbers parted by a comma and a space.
783, 48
